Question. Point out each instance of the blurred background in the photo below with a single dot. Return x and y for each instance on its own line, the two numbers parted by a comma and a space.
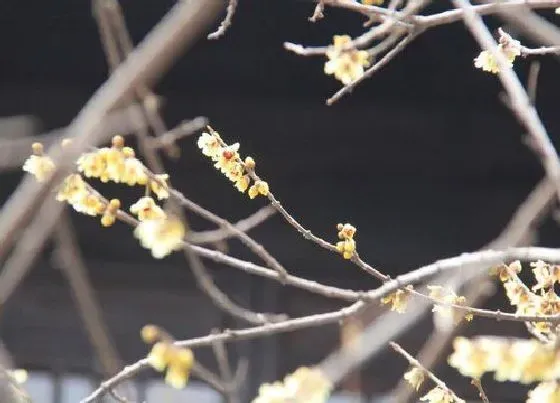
423, 158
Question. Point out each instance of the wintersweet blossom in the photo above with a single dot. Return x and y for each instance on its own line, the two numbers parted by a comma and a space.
119, 164
76, 192
347, 245
38, 164
545, 392
415, 377
447, 298
305, 385
227, 160
508, 47
438, 395
147, 209
110, 214
161, 236
165, 356
398, 301
345, 62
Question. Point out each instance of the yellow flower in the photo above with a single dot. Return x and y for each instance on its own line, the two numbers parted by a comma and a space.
397, 300
73, 189
250, 163
415, 376
150, 333
259, 187
38, 165
305, 385
179, 366
545, 392
147, 209
159, 186
347, 248
227, 157
162, 236
345, 63
110, 213
159, 356
133, 172
468, 358
438, 395
243, 183
210, 145
345, 231
308, 385
178, 362
508, 46
372, 2
90, 204
92, 164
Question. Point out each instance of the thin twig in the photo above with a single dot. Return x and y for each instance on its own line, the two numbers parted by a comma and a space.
244, 225
253, 245
226, 23
478, 385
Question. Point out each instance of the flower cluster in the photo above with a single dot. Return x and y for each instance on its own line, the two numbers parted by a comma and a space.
80, 196
156, 231
38, 164
345, 62
305, 385
447, 298
541, 300
347, 245
523, 361
166, 356
226, 158
508, 46
398, 301
120, 165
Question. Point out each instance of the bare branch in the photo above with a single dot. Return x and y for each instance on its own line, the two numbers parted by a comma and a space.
226, 23
243, 225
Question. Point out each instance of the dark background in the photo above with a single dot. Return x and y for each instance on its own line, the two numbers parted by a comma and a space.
423, 158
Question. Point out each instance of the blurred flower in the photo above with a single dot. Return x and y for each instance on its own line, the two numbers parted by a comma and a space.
345, 63
415, 376
37, 164
162, 236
